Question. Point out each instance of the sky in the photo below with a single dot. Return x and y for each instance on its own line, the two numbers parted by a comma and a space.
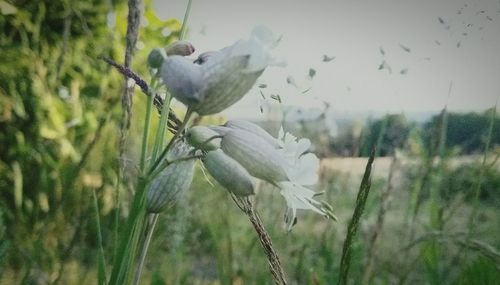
427, 46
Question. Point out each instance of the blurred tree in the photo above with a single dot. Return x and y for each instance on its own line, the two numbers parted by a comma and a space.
466, 131
395, 135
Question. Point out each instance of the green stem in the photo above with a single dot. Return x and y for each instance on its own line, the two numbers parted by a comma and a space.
160, 134
145, 245
145, 136
184, 22
101, 275
171, 142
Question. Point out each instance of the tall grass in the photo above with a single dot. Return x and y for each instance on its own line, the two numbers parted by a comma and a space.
364, 189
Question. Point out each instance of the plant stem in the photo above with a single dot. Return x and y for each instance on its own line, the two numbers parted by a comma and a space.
160, 134
352, 229
101, 275
153, 218
184, 22
479, 182
145, 134
162, 156
246, 207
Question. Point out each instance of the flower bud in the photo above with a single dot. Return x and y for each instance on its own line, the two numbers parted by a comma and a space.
156, 57
229, 173
258, 157
202, 138
216, 80
182, 48
175, 179
254, 129
225, 82
184, 79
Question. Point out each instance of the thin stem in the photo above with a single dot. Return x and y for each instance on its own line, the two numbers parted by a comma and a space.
145, 245
160, 169
184, 22
158, 101
145, 136
101, 267
160, 134
275, 267
352, 229
171, 142
479, 182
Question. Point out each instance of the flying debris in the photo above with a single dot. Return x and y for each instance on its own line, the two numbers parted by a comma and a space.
489, 18
459, 44
262, 85
441, 21
384, 65
261, 109
427, 58
405, 48
276, 97
404, 71
312, 72
469, 25
480, 12
327, 58
290, 80
262, 94
437, 42
382, 51
307, 90
464, 34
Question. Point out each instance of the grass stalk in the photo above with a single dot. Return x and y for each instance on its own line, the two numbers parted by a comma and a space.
153, 218
384, 206
479, 182
160, 133
101, 272
352, 229
145, 134
275, 267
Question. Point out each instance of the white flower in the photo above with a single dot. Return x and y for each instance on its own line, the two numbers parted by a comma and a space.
302, 171
286, 164
219, 79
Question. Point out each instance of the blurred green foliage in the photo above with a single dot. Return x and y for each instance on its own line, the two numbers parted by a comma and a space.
466, 131
58, 116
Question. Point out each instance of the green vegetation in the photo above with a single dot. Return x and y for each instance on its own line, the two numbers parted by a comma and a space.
66, 217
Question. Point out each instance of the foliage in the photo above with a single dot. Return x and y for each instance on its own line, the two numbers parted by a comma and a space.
58, 114
463, 179
396, 133
466, 131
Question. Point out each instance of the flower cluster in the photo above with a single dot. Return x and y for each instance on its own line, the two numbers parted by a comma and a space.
239, 152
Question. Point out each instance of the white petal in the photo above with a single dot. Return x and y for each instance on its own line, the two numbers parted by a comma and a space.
298, 197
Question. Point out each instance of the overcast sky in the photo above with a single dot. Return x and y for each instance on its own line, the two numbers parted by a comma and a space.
445, 41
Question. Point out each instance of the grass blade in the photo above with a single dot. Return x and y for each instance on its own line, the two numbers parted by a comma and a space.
101, 263
352, 229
